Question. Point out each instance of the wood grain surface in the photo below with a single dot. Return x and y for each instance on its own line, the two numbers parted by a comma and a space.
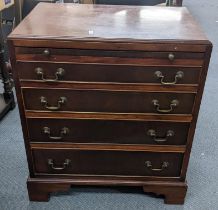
108, 22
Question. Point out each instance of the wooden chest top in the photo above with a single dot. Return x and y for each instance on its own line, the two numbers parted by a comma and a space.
103, 22
108, 95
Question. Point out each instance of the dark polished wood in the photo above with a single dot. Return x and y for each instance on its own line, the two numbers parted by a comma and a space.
107, 101
40, 191
101, 22
111, 147
40, 188
110, 101
111, 116
42, 53
131, 87
174, 193
105, 162
108, 131
117, 44
113, 60
196, 109
106, 73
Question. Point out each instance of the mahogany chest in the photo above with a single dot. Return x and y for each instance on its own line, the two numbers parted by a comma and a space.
108, 95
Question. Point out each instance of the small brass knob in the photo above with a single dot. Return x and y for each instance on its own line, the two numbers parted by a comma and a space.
46, 52
60, 73
171, 56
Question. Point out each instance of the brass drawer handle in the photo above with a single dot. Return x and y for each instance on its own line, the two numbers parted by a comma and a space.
63, 132
65, 164
171, 56
58, 74
61, 101
179, 75
174, 103
163, 166
152, 133
46, 52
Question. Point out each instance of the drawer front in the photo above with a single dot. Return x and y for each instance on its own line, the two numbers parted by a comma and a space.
107, 73
110, 131
68, 161
107, 101
109, 56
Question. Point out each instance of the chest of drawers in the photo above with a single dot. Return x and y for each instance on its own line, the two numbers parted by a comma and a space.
108, 95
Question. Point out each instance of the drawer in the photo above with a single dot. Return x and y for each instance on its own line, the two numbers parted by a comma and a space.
107, 131
107, 73
98, 162
116, 57
107, 101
